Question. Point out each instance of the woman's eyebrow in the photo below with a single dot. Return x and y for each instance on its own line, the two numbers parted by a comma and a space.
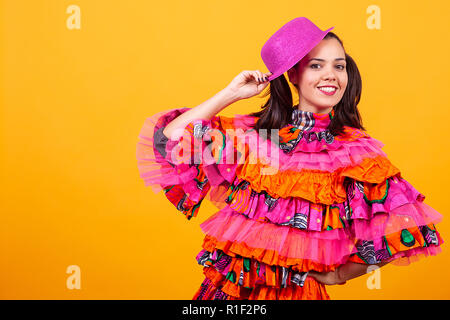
337, 59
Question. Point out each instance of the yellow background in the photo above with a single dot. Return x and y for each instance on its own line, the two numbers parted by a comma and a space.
73, 103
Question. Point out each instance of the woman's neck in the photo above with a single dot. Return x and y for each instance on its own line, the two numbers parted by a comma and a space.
313, 109
307, 120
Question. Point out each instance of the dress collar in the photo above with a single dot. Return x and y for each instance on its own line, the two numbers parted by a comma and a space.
306, 120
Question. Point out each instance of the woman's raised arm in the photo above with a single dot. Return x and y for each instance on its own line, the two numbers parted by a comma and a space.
245, 85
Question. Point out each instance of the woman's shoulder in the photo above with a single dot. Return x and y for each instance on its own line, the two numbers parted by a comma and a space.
238, 121
355, 135
351, 134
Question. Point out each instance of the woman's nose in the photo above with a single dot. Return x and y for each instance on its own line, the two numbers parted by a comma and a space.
329, 74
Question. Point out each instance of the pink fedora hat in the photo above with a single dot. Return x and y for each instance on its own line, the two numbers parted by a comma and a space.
290, 44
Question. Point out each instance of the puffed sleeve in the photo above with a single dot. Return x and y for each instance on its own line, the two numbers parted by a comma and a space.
193, 166
388, 218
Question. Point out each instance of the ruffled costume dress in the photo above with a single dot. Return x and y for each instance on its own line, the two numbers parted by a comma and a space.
313, 201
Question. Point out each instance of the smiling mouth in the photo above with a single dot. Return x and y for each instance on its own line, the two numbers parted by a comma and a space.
328, 90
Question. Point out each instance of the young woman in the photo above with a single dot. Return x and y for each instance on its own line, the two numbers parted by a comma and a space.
306, 197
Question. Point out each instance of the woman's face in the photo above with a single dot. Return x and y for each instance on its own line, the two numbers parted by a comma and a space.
321, 77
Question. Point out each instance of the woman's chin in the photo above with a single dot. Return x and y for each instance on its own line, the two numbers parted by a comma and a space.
322, 106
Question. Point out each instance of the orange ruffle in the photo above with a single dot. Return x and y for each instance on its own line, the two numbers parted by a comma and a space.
315, 185
269, 257
311, 290
253, 273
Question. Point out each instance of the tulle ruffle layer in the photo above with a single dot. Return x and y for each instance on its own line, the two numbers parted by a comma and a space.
273, 244
371, 211
284, 246
153, 168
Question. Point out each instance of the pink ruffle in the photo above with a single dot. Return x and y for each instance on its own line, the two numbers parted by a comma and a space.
332, 247
153, 167
327, 157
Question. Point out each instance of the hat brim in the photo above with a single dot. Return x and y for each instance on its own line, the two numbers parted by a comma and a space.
290, 63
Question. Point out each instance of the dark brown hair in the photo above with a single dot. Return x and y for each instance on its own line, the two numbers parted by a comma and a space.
277, 110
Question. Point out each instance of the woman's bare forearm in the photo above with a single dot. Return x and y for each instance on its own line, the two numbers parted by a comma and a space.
351, 270
205, 110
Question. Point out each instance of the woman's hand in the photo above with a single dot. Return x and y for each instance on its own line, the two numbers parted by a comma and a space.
329, 278
248, 83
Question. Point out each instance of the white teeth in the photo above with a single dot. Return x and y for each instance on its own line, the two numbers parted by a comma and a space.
327, 89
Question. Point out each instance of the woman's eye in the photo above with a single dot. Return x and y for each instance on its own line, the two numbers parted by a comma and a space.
316, 65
